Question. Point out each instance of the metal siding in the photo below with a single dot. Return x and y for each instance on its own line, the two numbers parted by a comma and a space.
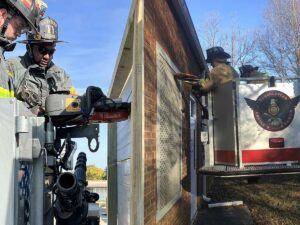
169, 135
124, 144
124, 148
124, 184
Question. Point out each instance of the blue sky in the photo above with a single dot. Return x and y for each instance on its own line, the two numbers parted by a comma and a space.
94, 29
248, 12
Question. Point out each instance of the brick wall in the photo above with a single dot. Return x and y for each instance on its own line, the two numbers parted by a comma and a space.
161, 26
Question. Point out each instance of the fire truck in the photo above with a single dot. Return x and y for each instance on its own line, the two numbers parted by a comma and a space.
252, 127
36, 158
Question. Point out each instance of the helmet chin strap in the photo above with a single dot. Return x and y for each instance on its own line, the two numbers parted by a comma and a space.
29, 48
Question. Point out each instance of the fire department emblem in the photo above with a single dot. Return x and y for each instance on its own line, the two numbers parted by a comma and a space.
273, 110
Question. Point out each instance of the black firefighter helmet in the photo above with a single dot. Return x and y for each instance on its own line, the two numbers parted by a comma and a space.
216, 52
47, 32
245, 70
30, 10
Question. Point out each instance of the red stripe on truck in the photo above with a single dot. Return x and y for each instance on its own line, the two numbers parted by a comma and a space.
271, 155
225, 156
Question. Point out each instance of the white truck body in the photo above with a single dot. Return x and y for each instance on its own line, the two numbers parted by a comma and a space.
253, 124
22, 165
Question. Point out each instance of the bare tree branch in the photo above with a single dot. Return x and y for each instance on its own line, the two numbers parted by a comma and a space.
279, 40
239, 44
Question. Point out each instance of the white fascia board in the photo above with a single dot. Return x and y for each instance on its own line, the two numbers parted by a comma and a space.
115, 82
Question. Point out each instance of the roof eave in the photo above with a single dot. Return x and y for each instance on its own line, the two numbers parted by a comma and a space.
184, 17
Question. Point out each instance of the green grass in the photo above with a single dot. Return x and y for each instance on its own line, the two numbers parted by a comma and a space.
274, 200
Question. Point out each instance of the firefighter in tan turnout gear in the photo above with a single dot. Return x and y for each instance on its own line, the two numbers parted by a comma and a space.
35, 75
221, 72
16, 17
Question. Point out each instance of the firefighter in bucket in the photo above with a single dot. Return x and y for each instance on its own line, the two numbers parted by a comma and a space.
221, 71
